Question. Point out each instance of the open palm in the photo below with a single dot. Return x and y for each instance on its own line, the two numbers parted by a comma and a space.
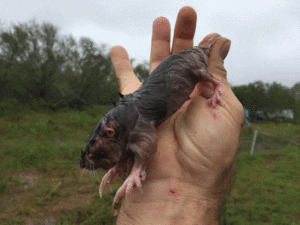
196, 146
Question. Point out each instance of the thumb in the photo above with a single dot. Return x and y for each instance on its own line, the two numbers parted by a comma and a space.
216, 57
217, 54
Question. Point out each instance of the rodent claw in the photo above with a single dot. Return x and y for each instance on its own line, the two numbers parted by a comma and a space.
133, 180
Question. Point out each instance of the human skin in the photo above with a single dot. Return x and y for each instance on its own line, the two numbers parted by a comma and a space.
190, 172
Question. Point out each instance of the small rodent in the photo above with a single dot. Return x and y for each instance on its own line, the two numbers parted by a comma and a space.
125, 138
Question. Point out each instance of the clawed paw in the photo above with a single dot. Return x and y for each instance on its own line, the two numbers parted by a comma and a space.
218, 92
133, 180
108, 178
213, 100
143, 175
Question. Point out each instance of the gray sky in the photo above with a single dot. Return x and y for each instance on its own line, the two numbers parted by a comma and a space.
265, 34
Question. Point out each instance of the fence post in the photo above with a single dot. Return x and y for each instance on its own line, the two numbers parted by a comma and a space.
253, 142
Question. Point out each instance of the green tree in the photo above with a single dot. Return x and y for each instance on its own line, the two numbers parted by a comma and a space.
253, 96
279, 98
88, 74
258, 96
295, 92
13, 47
30, 60
270, 98
38, 67
243, 94
142, 70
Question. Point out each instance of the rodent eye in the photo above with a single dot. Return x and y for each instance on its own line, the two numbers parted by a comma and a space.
90, 155
110, 132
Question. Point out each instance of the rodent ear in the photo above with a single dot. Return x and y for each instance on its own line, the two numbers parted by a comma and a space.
110, 132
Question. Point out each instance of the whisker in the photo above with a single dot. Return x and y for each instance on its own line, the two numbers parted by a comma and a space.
93, 173
97, 175
82, 173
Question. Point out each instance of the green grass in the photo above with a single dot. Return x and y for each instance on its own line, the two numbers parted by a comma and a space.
266, 188
285, 130
37, 139
40, 180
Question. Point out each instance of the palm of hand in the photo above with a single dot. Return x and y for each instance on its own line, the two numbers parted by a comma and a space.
197, 145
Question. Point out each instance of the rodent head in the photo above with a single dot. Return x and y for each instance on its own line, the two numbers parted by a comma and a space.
105, 147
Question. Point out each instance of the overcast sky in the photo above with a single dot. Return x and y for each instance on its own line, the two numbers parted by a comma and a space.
265, 34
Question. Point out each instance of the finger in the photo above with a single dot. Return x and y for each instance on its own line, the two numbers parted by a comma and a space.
215, 64
127, 80
217, 54
184, 29
207, 37
160, 45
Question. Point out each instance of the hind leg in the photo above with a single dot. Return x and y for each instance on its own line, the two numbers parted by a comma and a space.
204, 75
218, 92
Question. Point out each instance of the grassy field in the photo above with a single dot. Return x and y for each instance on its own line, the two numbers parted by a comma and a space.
266, 189
41, 183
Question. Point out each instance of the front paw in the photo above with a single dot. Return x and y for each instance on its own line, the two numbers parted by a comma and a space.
108, 178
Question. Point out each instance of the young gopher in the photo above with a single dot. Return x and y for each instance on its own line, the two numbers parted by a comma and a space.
125, 138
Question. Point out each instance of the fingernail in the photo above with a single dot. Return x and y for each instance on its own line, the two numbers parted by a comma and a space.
225, 49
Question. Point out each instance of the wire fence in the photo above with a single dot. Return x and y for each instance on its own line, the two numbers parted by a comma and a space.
257, 140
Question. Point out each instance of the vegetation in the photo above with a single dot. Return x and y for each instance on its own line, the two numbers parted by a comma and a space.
266, 188
41, 183
269, 98
40, 179
40, 69
45, 78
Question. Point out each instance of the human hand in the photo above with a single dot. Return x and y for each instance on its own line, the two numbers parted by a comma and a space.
188, 176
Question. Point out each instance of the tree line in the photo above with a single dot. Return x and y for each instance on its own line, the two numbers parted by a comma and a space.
269, 98
41, 69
